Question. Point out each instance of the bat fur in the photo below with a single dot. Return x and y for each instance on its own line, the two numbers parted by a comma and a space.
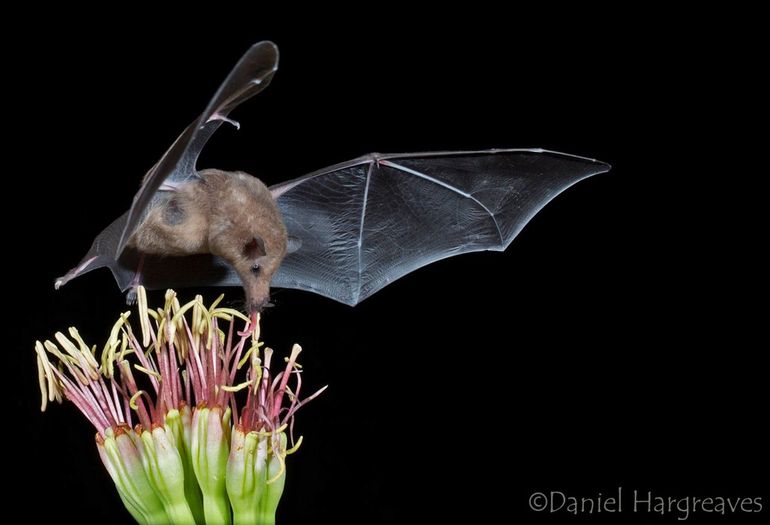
229, 214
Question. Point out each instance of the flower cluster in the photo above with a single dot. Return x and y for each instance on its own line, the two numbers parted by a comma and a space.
163, 402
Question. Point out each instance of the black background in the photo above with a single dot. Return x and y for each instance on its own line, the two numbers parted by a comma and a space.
616, 343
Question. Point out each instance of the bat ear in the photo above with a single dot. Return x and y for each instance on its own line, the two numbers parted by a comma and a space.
293, 244
254, 248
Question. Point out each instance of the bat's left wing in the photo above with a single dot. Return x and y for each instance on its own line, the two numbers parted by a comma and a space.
251, 74
365, 223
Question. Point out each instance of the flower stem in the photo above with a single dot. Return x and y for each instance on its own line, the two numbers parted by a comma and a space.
216, 509
137, 513
179, 513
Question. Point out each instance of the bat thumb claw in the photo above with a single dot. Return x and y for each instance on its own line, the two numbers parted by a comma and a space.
217, 116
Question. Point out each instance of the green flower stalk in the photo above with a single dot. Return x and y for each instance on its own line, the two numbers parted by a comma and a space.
164, 408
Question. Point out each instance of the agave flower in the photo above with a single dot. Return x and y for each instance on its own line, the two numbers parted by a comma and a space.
164, 407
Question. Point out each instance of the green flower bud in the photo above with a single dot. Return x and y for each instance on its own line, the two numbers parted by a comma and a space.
163, 465
246, 475
276, 479
210, 449
179, 423
123, 461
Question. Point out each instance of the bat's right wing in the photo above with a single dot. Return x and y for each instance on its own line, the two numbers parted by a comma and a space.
251, 74
365, 223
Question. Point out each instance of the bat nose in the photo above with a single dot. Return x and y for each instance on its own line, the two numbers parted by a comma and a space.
257, 305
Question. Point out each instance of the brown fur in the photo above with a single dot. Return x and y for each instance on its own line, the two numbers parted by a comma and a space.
221, 213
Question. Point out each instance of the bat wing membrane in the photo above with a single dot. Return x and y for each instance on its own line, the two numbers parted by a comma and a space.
251, 74
365, 223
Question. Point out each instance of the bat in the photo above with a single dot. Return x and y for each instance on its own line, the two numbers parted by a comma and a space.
343, 232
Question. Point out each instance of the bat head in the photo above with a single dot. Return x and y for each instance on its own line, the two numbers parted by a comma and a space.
255, 249
246, 229
256, 266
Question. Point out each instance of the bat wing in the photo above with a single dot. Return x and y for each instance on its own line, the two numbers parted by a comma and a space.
251, 74
365, 223
156, 271
102, 254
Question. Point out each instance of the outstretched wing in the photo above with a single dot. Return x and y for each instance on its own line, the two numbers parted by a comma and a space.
251, 74
365, 223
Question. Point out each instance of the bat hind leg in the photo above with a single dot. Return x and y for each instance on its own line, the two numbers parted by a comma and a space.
135, 282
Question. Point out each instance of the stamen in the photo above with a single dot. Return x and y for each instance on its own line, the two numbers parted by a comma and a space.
236, 388
144, 318
132, 401
147, 371
296, 446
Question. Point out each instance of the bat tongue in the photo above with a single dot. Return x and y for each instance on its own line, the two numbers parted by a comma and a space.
252, 328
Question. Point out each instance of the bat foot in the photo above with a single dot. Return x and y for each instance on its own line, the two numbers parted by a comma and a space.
131, 294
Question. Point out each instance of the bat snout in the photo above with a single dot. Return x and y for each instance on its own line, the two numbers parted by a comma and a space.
257, 290
258, 303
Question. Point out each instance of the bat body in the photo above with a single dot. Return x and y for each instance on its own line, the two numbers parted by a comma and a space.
230, 215
343, 232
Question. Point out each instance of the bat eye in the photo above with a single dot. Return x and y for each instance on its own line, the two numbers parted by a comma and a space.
255, 269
